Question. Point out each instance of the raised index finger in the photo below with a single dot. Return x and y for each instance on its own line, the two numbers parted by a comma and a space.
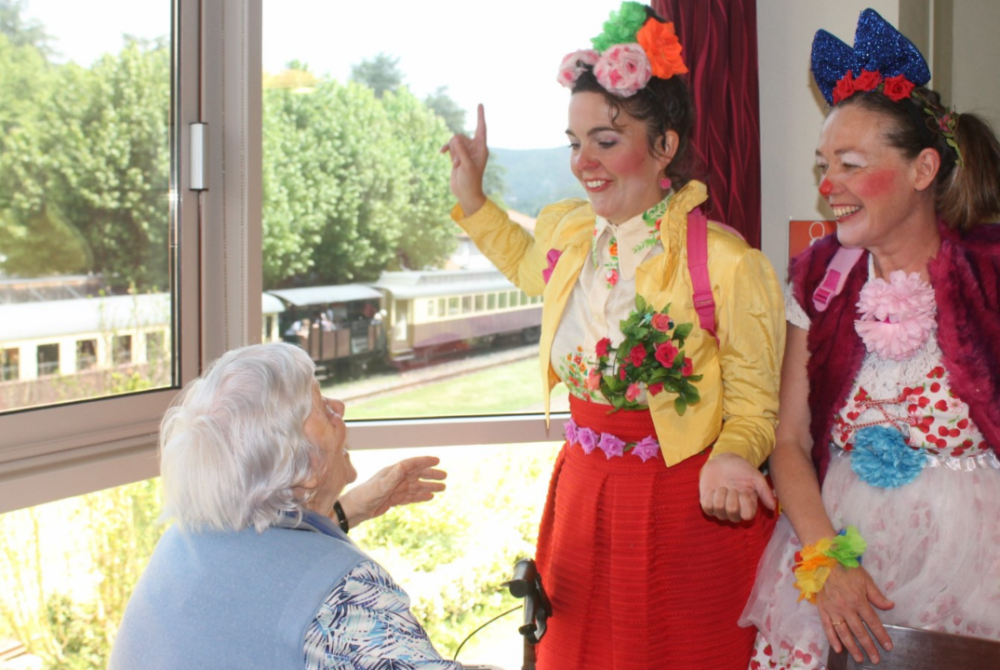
480, 137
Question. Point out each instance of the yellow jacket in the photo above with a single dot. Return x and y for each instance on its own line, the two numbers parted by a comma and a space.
739, 388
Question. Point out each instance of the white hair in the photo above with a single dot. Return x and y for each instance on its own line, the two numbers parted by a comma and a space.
233, 447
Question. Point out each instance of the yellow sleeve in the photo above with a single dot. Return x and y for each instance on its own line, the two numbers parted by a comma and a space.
517, 253
751, 329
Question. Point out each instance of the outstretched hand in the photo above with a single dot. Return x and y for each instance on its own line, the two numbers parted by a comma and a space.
849, 620
729, 489
409, 481
468, 163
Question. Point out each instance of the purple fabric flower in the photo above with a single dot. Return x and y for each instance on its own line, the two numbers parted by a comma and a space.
611, 445
646, 448
570, 431
552, 257
587, 439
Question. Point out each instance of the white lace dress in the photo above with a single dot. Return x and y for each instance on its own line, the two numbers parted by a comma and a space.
933, 543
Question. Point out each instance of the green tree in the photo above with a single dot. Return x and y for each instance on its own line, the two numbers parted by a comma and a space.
381, 74
23, 32
445, 106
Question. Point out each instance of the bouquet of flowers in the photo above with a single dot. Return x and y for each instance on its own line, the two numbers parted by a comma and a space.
650, 359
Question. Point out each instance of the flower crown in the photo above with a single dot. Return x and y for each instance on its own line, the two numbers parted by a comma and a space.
633, 48
884, 61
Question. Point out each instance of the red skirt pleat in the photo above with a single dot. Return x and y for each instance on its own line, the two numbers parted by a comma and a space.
639, 577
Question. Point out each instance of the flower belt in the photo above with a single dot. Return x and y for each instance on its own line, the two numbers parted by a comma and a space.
589, 440
886, 461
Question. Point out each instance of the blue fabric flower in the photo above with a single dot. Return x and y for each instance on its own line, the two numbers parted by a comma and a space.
882, 458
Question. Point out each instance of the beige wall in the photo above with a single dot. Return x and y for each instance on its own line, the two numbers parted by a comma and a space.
792, 109
975, 57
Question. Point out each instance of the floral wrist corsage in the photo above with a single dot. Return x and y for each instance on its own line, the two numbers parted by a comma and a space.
814, 562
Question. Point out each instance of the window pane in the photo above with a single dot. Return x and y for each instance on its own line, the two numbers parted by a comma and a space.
85, 107
356, 191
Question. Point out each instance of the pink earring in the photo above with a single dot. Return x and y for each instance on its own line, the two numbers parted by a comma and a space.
665, 183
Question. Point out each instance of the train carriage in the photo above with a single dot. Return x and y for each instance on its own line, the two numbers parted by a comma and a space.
436, 311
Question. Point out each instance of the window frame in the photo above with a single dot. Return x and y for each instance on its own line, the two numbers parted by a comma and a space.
55, 452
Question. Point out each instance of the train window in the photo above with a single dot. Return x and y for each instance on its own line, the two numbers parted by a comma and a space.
466, 304
86, 355
453, 306
491, 301
121, 349
10, 366
502, 300
480, 302
440, 309
431, 304
48, 359
514, 295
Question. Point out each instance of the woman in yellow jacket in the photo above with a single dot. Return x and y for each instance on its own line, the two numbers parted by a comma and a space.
651, 533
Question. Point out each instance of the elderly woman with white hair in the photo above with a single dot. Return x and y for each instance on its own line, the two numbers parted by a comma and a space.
257, 570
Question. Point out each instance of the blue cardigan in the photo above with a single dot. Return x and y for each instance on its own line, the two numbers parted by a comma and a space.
232, 599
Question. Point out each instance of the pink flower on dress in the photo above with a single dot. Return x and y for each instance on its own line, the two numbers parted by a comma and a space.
593, 379
632, 392
611, 445
612, 277
574, 64
552, 257
646, 448
897, 316
587, 439
623, 69
570, 431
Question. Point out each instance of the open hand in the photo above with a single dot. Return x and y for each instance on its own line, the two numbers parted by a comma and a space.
845, 606
409, 481
729, 488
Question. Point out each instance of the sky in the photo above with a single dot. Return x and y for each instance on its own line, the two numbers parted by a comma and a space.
507, 59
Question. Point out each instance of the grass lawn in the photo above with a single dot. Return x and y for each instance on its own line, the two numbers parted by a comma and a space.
505, 389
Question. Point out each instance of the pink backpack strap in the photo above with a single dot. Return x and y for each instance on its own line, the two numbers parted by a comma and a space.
697, 252
836, 276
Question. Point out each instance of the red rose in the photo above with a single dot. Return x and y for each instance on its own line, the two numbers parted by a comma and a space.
844, 88
662, 322
621, 373
655, 388
666, 353
867, 81
632, 392
688, 367
602, 347
637, 355
898, 88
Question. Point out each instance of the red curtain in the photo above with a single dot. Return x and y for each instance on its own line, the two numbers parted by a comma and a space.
720, 49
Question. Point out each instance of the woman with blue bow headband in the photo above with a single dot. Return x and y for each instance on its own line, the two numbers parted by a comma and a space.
886, 461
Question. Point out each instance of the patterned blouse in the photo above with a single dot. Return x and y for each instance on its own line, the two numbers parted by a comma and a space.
365, 623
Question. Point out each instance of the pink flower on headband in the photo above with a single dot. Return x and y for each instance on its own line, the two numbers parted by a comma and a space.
623, 69
574, 64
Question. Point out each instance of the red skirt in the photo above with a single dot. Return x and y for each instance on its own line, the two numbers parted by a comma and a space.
639, 577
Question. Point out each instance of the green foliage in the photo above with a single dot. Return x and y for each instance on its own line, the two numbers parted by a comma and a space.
381, 74
20, 32
445, 106
352, 185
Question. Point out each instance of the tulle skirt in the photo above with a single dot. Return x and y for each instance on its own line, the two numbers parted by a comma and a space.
933, 549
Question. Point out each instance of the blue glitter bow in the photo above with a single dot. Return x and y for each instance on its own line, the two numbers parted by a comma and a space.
878, 47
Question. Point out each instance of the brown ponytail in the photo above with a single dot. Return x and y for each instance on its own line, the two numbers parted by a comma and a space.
971, 193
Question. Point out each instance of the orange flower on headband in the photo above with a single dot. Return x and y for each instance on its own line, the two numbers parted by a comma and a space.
662, 47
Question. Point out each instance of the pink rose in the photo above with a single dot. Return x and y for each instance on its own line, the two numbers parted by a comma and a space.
570, 430
594, 379
621, 373
662, 322
666, 353
637, 355
612, 277
655, 388
632, 392
688, 367
611, 445
574, 64
646, 448
587, 439
602, 347
623, 69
